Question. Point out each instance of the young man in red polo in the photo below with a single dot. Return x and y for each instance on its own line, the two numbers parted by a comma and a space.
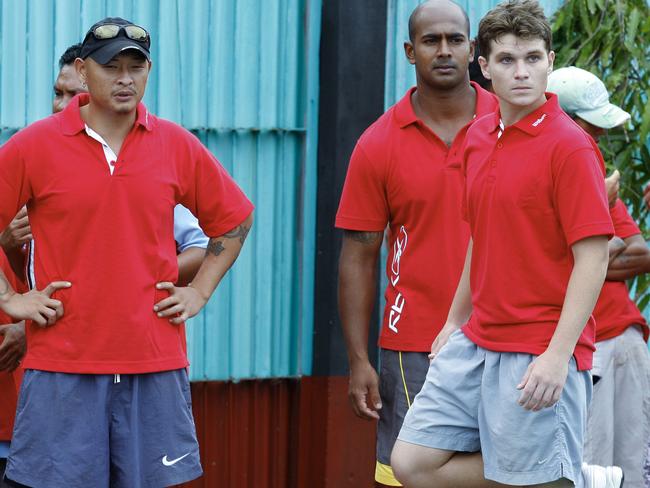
505, 399
105, 399
405, 173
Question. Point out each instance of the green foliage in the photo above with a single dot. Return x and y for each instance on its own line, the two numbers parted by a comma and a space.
611, 38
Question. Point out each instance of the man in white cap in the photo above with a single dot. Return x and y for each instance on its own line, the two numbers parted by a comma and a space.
618, 426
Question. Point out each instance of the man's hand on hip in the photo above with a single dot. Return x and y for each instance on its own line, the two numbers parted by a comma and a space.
37, 306
182, 303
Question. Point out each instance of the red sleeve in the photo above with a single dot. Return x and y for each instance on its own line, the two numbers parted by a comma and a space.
14, 188
212, 195
624, 224
364, 204
580, 197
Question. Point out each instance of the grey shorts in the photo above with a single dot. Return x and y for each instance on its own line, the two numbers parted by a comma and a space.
469, 403
618, 429
75, 430
401, 376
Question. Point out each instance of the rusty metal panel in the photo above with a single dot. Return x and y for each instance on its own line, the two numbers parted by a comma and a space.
281, 433
247, 432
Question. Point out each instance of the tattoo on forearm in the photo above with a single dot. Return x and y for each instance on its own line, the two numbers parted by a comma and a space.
241, 231
216, 244
215, 247
364, 237
4, 286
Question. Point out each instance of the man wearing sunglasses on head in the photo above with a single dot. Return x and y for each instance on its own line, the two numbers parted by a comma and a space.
105, 400
190, 240
190, 247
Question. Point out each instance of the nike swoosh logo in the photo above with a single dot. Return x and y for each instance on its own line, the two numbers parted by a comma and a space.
167, 462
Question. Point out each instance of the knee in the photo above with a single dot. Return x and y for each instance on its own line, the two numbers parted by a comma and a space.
404, 464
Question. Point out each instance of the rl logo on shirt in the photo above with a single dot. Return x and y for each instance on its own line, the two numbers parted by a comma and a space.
399, 246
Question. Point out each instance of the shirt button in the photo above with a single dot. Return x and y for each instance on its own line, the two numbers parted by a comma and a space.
493, 163
499, 145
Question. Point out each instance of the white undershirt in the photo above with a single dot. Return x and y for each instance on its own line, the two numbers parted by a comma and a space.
111, 157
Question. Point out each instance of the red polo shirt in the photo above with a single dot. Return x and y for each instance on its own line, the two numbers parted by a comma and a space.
9, 382
529, 196
615, 311
403, 175
111, 235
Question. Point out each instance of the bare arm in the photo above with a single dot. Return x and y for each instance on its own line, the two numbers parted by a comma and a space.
461, 306
356, 293
17, 233
544, 379
632, 260
13, 346
615, 247
189, 262
185, 302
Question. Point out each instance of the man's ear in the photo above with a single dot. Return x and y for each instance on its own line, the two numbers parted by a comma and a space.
80, 68
409, 50
551, 60
484, 67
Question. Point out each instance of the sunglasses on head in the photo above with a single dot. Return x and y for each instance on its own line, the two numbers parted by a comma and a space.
110, 31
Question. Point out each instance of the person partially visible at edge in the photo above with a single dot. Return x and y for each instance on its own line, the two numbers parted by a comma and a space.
505, 399
101, 179
618, 426
12, 348
404, 173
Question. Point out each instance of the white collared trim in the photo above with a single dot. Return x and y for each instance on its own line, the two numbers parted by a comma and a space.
31, 276
110, 156
502, 127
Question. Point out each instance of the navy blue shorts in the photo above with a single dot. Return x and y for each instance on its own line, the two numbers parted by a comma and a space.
82, 430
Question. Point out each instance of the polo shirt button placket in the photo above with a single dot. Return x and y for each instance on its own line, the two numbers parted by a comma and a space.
493, 167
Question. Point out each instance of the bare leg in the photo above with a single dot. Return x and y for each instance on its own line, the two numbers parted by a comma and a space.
422, 467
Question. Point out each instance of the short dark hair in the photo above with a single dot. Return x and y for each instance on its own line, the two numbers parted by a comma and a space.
416, 11
70, 54
523, 18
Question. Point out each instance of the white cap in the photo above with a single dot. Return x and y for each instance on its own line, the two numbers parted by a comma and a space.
582, 93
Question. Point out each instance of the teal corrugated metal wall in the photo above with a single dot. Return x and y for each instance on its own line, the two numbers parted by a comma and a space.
399, 74
243, 75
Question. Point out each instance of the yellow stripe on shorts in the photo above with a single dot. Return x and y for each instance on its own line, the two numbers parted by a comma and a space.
406, 390
384, 475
